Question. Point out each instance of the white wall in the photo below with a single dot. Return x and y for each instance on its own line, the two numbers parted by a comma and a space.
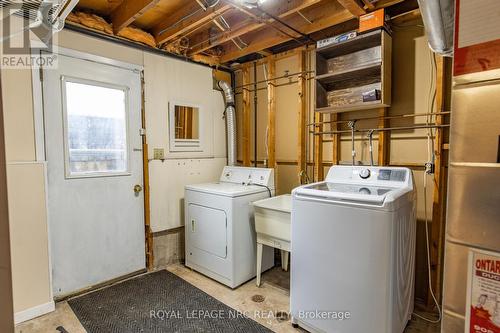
166, 79
171, 80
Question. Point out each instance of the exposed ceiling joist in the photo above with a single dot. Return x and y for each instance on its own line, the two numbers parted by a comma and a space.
322, 16
202, 41
186, 19
128, 11
386, 3
353, 6
263, 39
369, 4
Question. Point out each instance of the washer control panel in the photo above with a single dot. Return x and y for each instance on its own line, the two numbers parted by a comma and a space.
245, 175
368, 174
393, 175
364, 173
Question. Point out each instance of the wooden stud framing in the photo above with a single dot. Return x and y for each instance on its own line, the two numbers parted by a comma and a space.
383, 139
271, 115
246, 140
440, 180
145, 170
275, 57
318, 148
301, 117
335, 139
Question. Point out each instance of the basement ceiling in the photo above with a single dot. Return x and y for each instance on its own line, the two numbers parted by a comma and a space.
220, 31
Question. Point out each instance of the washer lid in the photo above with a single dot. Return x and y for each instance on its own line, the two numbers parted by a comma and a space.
226, 189
360, 193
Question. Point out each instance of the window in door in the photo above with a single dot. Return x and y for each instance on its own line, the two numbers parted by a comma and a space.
95, 129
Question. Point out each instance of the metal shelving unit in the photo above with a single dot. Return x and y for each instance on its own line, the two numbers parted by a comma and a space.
346, 70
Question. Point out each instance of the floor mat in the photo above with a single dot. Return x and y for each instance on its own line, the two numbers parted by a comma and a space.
158, 302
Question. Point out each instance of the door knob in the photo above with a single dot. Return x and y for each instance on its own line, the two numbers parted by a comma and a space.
137, 189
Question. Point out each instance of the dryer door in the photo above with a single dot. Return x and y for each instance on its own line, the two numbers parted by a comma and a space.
208, 229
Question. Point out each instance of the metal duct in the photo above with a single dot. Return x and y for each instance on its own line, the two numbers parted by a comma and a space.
230, 115
438, 17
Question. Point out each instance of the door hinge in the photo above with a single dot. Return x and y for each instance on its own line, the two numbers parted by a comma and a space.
142, 132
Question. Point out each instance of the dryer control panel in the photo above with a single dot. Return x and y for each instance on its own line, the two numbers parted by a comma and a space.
245, 175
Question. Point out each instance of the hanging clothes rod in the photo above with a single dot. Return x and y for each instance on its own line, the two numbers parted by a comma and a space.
409, 115
400, 128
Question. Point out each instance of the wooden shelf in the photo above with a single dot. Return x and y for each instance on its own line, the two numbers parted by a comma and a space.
345, 71
350, 74
352, 107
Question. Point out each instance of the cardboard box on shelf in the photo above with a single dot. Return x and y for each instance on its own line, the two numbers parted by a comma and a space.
372, 20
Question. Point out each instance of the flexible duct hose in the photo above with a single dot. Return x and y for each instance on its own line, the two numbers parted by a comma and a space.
230, 115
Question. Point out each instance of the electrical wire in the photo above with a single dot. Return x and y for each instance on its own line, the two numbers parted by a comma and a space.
434, 321
430, 158
262, 185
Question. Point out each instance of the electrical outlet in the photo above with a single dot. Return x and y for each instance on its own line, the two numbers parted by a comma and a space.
159, 153
429, 168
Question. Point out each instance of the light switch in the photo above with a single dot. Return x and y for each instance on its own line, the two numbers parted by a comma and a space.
159, 153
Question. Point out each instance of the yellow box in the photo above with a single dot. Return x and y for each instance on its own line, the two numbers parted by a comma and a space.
371, 20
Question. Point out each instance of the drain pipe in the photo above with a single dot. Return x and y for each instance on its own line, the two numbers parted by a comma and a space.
229, 114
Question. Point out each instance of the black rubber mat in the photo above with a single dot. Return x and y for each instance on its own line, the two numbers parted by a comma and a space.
158, 302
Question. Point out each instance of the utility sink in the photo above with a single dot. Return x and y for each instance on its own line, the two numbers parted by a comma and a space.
272, 218
272, 225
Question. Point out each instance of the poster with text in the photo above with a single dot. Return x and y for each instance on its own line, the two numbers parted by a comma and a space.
483, 292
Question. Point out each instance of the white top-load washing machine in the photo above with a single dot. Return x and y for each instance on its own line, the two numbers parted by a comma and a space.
353, 245
220, 227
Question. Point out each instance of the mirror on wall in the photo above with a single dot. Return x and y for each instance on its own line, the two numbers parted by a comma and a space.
184, 127
186, 122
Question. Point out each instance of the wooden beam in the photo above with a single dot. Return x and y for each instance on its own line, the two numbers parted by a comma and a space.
386, 3
128, 11
322, 17
147, 190
369, 4
271, 114
318, 148
246, 140
335, 138
301, 117
275, 57
353, 6
202, 42
383, 139
440, 181
187, 19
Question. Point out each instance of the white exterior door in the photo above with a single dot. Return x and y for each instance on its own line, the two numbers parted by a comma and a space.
92, 115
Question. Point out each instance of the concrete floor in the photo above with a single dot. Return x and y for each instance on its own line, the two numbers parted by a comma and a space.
275, 289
